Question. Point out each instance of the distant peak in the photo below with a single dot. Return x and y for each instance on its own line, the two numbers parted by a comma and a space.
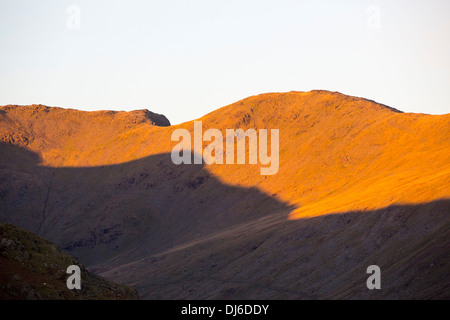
135, 116
155, 118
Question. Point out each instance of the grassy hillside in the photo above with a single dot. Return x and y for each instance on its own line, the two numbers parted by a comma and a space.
34, 269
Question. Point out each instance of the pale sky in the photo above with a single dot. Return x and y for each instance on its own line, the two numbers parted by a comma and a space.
187, 58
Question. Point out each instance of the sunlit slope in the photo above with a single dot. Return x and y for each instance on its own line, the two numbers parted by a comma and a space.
341, 153
67, 137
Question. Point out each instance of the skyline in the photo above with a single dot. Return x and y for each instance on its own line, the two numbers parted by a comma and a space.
186, 59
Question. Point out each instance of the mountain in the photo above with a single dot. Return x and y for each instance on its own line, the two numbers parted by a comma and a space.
359, 183
35, 269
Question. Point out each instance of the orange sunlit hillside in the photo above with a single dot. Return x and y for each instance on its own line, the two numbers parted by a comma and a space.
337, 153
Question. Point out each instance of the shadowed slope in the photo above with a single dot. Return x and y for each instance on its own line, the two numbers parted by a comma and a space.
34, 269
324, 257
144, 206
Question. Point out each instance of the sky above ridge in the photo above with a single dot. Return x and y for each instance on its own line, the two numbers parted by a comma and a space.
187, 58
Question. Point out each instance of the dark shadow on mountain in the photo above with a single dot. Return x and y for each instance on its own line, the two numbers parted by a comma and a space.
136, 208
324, 257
